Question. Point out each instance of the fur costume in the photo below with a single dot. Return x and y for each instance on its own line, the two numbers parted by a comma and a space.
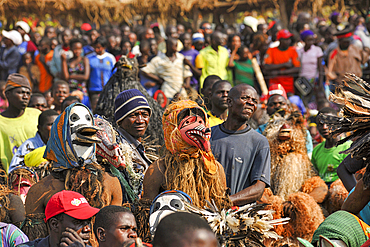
189, 163
125, 78
290, 164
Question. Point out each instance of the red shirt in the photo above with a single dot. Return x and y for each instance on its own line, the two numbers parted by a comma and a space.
276, 56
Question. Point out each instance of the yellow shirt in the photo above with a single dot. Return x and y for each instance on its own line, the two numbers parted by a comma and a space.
14, 131
213, 120
215, 63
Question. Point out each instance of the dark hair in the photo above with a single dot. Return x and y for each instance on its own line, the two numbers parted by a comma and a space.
107, 216
36, 95
101, 40
74, 41
70, 98
144, 44
241, 50
123, 41
217, 83
45, 114
46, 40
209, 80
173, 229
57, 83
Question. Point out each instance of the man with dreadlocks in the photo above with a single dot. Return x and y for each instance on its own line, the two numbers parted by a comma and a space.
71, 149
188, 164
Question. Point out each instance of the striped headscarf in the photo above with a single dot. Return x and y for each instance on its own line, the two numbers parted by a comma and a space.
59, 148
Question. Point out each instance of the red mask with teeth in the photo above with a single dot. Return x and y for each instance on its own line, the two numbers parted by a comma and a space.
195, 133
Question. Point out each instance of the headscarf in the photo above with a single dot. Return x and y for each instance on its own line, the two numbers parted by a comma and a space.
305, 34
175, 143
59, 148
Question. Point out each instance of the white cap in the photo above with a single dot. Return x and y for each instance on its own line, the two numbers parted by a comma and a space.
251, 22
14, 36
23, 25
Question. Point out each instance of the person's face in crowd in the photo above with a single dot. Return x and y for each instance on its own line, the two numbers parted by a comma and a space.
66, 37
136, 123
217, 39
344, 43
285, 43
172, 32
245, 105
7, 42
309, 41
94, 35
219, 96
76, 33
37, 38
2, 90
323, 128
244, 56
60, 92
224, 39
275, 103
149, 34
160, 99
132, 37
199, 45
153, 47
19, 97
38, 103
180, 29
45, 127
124, 228
126, 30
44, 47
207, 28
145, 51
76, 49
99, 49
54, 43
21, 31
171, 47
50, 33
126, 48
49, 98
112, 42
27, 58
235, 42
206, 91
76, 225
187, 41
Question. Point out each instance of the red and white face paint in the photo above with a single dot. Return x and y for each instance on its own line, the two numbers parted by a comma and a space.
194, 131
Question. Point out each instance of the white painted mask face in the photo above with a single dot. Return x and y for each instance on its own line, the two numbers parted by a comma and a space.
83, 132
164, 205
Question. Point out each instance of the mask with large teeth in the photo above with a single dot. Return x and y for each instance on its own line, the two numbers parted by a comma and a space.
193, 128
72, 138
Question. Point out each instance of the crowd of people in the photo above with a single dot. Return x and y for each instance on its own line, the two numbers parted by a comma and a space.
243, 109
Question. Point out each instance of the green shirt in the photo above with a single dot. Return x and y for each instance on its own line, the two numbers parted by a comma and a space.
327, 160
244, 72
215, 63
14, 131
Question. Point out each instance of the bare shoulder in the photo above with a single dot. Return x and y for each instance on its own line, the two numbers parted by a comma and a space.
154, 179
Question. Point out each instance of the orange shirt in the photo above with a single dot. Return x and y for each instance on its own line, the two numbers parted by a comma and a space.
276, 56
46, 80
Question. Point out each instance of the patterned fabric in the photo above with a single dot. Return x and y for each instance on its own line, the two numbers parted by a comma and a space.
175, 143
79, 69
59, 148
11, 236
344, 226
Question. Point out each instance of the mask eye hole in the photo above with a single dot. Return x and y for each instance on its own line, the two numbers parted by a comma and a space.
176, 203
74, 117
157, 206
88, 118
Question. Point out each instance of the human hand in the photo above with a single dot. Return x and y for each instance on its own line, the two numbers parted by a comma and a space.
71, 238
63, 56
187, 62
288, 65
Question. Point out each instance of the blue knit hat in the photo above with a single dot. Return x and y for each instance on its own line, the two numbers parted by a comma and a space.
129, 101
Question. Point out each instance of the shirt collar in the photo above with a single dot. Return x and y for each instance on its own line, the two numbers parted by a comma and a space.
129, 138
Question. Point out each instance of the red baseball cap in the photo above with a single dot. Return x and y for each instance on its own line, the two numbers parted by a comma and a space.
86, 27
277, 89
71, 203
283, 34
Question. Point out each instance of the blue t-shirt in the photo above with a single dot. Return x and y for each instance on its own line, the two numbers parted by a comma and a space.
100, 67
191, 55
244, 154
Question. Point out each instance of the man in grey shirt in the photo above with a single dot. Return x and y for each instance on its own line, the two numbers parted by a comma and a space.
244, 153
